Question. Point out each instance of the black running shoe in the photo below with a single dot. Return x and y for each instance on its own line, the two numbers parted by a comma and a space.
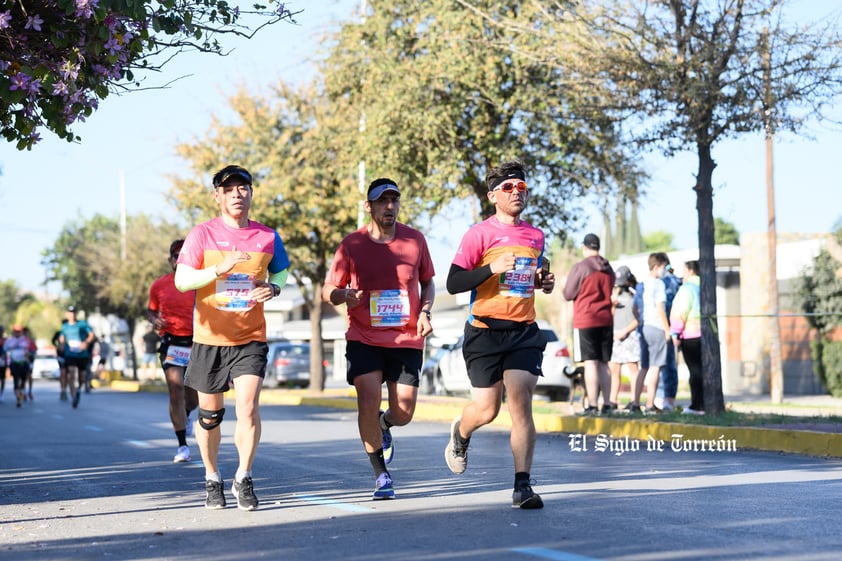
244, 491
216, 494
524, 497
76, 398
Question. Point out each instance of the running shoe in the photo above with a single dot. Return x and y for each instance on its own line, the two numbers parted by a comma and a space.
524, 497
455, 455
383, 487
76, 398
388, 444
215, 494
182, 455
63, 396
244, 491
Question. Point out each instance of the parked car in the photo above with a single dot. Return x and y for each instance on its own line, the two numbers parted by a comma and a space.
445, 371
430, 382
45, 366
288, 365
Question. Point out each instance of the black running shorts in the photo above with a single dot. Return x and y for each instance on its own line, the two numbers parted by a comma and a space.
490, 352
399, 365
595, 343
212, 366
179, 343
80, 362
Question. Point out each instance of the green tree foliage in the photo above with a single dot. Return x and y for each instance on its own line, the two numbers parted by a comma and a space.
447, 91
58, 58
725, 232
819, 292
11, 298
90, 262
693, 73
297, 149
657, 240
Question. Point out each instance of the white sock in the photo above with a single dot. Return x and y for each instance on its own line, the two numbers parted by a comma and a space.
240, 475
213, 477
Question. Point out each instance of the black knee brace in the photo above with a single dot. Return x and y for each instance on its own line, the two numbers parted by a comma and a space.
215, 416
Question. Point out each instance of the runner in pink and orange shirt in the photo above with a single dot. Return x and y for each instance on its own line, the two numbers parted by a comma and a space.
227, 260
500, 262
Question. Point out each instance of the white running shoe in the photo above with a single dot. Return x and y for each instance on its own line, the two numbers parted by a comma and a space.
183, 455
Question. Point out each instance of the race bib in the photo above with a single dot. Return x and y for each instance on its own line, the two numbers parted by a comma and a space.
177, 356
74, 345
519, 283
389, 308
232, 293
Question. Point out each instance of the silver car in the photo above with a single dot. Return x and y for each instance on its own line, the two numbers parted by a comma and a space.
45, 366
447, 372
288, 365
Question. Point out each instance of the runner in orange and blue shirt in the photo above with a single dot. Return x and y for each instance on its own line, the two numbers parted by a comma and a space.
171, 313
500, 262
227, 260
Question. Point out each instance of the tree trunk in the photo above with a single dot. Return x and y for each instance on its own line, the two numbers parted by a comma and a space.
317, 370
711, 360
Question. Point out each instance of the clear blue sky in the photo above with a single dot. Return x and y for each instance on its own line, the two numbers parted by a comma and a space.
57, 182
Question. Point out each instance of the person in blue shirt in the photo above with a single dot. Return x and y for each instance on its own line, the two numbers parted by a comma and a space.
77, 338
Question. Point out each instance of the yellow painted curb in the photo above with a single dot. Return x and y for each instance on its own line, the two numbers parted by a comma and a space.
686, 437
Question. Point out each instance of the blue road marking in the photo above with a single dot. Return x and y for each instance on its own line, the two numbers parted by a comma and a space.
551, 554
333, 504
139, 443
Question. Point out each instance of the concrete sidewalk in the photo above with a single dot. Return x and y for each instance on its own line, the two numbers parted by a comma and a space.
814, 438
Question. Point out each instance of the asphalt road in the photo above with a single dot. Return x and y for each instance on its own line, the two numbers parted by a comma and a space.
99, 483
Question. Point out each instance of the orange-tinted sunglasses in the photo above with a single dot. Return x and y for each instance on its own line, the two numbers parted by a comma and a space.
510, 186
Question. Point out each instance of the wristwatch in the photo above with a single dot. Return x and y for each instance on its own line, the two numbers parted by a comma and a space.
276, 290
427, 313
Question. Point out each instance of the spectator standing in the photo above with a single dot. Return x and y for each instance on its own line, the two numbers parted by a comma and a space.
226, 260
686, 329
151, 341
498, 262
668, 384
656, 331
171, 313
589, 285
626, 347
383, 273
77, 337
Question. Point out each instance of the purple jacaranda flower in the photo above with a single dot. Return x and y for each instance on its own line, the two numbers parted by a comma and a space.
5, 18
85, 8
112, 46
60, 88
20, 81
69, 70
34, 87
34, 137
34, 22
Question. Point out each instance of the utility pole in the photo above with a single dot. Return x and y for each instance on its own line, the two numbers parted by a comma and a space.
776, 377
361, 169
